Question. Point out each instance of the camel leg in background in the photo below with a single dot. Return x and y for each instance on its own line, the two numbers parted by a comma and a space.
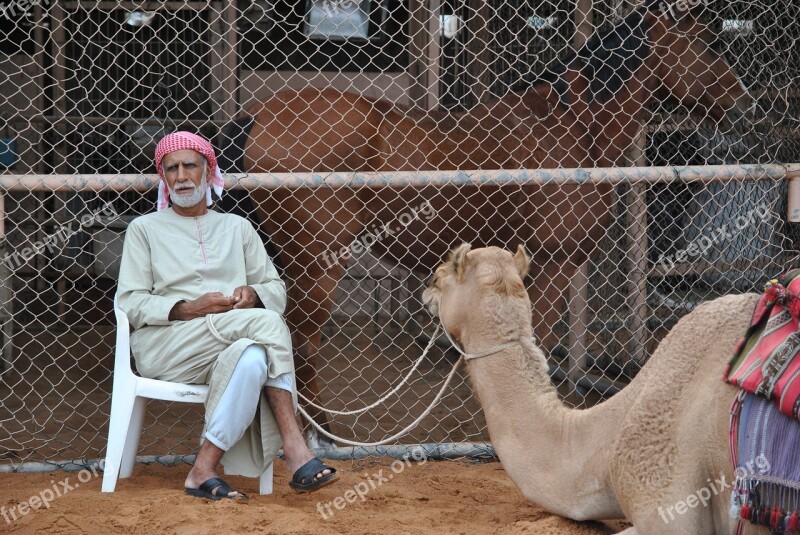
549, 296
310, 228
311, 298
561, 242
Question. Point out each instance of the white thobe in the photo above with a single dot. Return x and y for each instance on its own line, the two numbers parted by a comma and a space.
168, 258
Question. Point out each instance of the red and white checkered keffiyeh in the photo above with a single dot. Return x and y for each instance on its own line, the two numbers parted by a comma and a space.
187, 141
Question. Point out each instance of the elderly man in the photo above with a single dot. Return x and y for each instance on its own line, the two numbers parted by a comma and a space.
206, 304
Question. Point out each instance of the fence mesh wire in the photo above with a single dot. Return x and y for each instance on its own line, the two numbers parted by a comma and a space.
89, 87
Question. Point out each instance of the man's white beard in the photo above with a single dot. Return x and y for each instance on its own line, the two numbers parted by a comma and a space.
188, 200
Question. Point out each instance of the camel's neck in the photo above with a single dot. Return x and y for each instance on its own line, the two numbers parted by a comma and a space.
615, 128
558, 457
611, 127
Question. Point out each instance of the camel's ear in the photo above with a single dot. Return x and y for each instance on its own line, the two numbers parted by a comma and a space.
458, 259
522, 261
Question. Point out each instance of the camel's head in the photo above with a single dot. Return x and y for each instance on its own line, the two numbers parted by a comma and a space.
481, 293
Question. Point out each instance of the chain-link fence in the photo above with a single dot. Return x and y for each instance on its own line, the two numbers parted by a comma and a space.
428, 98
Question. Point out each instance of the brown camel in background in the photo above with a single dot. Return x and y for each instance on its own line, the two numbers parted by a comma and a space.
584, 112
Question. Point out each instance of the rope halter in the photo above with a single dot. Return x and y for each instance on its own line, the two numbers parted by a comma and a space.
471, 356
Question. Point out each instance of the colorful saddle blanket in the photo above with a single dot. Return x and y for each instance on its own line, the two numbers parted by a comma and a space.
765, 361
765, 433
765, 449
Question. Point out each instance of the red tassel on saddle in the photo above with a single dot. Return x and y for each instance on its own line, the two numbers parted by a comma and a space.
774, 518
744, 512
775, 292
779, 294
794, 520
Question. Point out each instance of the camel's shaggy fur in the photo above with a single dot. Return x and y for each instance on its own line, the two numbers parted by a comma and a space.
662, 439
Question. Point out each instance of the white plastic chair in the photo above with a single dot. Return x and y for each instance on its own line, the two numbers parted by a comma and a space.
128, 401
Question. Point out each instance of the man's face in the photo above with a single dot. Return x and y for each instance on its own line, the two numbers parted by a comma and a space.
185, 172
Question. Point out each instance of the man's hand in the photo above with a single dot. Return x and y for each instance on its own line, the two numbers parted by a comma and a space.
246, 297
210, 303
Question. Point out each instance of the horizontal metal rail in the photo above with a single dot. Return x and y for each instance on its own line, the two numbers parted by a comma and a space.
401, 179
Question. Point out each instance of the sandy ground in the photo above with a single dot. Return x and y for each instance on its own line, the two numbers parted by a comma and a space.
429, 498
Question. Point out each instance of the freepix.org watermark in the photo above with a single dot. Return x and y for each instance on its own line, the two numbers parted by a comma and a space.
703, 496
673, 9
59, 237
365, 242
19, 7
45, 496
330, 7
700, 246
362, 488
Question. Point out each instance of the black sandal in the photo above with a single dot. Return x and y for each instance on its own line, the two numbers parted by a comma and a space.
207, 489
303, 479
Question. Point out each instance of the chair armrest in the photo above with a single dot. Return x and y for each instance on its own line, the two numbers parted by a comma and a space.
122, 353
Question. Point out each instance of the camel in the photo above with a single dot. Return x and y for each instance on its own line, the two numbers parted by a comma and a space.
660, 440
585, 110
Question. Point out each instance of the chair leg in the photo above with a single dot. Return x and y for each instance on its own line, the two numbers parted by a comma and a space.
132, 438
265, 481
123, 399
